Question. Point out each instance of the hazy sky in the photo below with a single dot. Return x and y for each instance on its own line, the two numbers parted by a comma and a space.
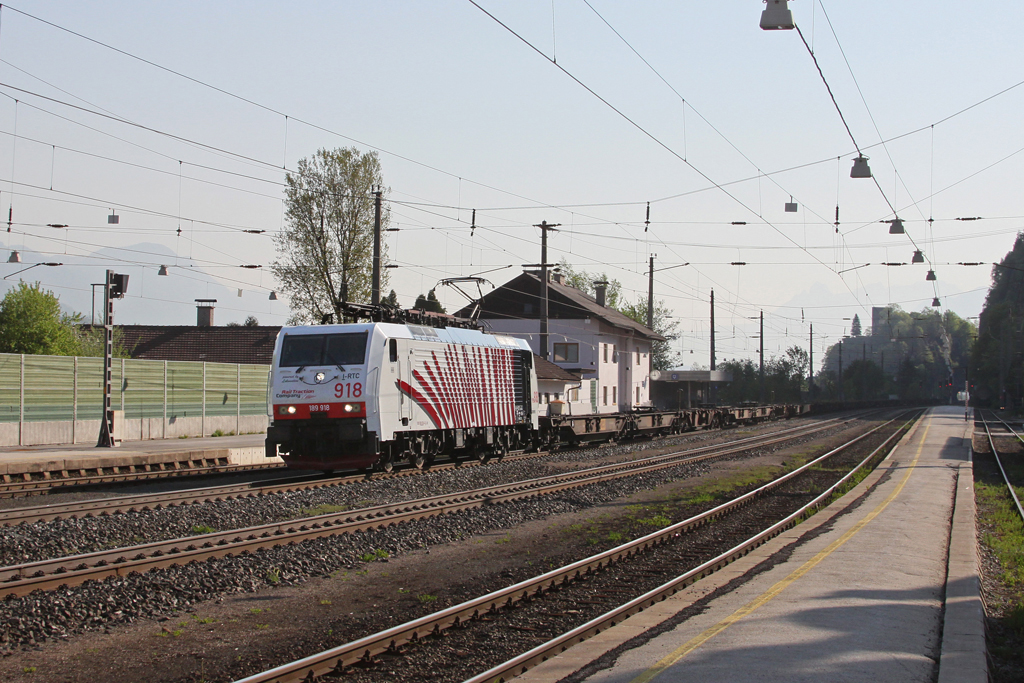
466, 115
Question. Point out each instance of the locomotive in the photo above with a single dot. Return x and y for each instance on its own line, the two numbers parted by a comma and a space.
370, 395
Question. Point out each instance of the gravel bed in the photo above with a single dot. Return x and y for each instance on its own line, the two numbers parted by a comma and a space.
66, 537
30, 620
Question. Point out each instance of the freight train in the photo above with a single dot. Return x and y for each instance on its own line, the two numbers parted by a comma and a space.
372, 395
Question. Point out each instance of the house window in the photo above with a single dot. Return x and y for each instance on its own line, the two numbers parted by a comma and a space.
567, 353
638, 356
574, 395
615, 395
605, 395
615, 353
604, 349
638, 395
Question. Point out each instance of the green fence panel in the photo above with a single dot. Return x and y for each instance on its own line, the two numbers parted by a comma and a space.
90, 388
49, 388
143, 394
254, 389
10, 387
221, 389
184, 389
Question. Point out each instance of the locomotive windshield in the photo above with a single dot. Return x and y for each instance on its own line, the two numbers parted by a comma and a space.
323, 349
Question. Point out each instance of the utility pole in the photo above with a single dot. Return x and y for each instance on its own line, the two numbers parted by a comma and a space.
810, 366
841, 369
712, 329
650, 296
545, 227
375, 293
762, 358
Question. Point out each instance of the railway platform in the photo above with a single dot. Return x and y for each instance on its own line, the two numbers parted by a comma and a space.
24, 463
880, 586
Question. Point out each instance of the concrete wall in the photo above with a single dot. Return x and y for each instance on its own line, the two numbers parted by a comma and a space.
145, 429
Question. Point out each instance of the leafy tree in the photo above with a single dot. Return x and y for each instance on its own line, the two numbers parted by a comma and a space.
661, 351
325, 251
391, 300
251, 321
584, 281
912, 355
784, 378
855, 326
996, 370
429, 303
31, 322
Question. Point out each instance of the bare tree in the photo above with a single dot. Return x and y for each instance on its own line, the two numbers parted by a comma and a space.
325, 251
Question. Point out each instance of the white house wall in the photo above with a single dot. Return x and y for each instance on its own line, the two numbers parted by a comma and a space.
621, 379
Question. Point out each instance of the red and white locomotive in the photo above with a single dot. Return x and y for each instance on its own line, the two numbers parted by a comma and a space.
374, 394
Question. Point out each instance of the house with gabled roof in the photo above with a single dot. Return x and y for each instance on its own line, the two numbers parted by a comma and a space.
609, 352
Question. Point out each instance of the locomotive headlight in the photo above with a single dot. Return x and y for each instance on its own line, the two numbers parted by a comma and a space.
353, 407
287, 410
320, 377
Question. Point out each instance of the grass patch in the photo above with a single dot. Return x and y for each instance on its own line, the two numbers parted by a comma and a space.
374, 555
255, 610
274, 575
426, 598
201, 529
322, 510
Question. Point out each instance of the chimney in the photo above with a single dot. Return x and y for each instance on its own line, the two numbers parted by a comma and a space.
557, 277
204, 312
600, 287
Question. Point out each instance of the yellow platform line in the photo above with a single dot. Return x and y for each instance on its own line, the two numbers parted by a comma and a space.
764, 598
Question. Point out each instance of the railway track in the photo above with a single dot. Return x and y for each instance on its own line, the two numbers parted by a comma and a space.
618, 593
151, 501
50, 574
995, 453
39, 483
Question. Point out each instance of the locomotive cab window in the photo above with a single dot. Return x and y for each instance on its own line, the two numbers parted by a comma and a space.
323, 349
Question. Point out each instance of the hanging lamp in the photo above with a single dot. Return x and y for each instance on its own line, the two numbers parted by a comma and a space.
936, 302
777, 16
918, 257
860, 167
162, 271
273, 296
930, 276
15, 257
113, 218
791, 206
896, 227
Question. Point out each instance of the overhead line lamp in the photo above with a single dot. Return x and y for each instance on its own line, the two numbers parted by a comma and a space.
273, 296
936, 302
15, 257
918, 257
162, 271
860, 167
896, 227
777, 16
930, 276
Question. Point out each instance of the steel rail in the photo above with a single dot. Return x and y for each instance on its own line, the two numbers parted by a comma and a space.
995, 454
50, 574
337, 659
150, 501
527, 660
33, 487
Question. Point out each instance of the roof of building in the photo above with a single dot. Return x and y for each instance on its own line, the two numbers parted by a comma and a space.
548, 370
229, 344
519, 298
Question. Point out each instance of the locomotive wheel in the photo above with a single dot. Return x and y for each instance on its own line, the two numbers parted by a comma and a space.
386, 463
419, 461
